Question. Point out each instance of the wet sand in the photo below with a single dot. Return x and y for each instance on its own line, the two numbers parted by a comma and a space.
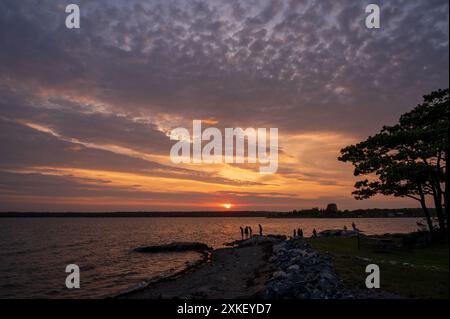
229, 273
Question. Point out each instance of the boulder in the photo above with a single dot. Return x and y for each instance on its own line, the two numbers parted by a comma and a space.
256, 240
280, 248
279, 274
294, 268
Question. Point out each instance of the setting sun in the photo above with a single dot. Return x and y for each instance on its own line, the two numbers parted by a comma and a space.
227, 206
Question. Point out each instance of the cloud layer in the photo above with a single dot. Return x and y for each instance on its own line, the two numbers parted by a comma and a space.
85, 114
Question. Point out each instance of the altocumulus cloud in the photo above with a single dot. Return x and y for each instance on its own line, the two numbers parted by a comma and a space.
104, 97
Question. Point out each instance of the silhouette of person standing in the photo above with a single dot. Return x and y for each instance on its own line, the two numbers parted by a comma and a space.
246, 232
250, 231
300, 233
314, 233
242, 233
295, 233
354, 226
260, 229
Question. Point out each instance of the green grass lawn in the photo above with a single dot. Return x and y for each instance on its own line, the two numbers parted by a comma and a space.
408, 272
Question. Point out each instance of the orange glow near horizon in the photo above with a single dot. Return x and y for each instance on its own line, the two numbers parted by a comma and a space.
301, 177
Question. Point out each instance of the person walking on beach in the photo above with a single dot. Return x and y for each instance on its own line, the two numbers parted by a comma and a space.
355, 228
242, 233
246, 232
250, 231
314, 233
260, 229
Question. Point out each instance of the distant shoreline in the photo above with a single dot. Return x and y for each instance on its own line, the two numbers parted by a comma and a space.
361, 213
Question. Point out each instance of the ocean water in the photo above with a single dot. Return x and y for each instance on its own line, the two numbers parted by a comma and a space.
34, 252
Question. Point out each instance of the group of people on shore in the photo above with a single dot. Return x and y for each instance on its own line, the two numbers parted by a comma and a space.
298, 233
247, 231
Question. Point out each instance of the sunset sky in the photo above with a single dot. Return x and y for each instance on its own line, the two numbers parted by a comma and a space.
85, 114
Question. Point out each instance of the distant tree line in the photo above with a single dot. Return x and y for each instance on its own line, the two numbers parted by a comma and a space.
357, 213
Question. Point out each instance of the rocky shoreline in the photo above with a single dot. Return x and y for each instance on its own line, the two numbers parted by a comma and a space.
266, 267
303, 273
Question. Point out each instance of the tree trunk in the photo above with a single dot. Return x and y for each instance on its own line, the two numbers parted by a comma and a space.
438, 205
437, 197
425, 210
439, 194
447, 196
447, 183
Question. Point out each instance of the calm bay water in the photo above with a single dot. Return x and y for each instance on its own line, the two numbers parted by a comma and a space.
35, 251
